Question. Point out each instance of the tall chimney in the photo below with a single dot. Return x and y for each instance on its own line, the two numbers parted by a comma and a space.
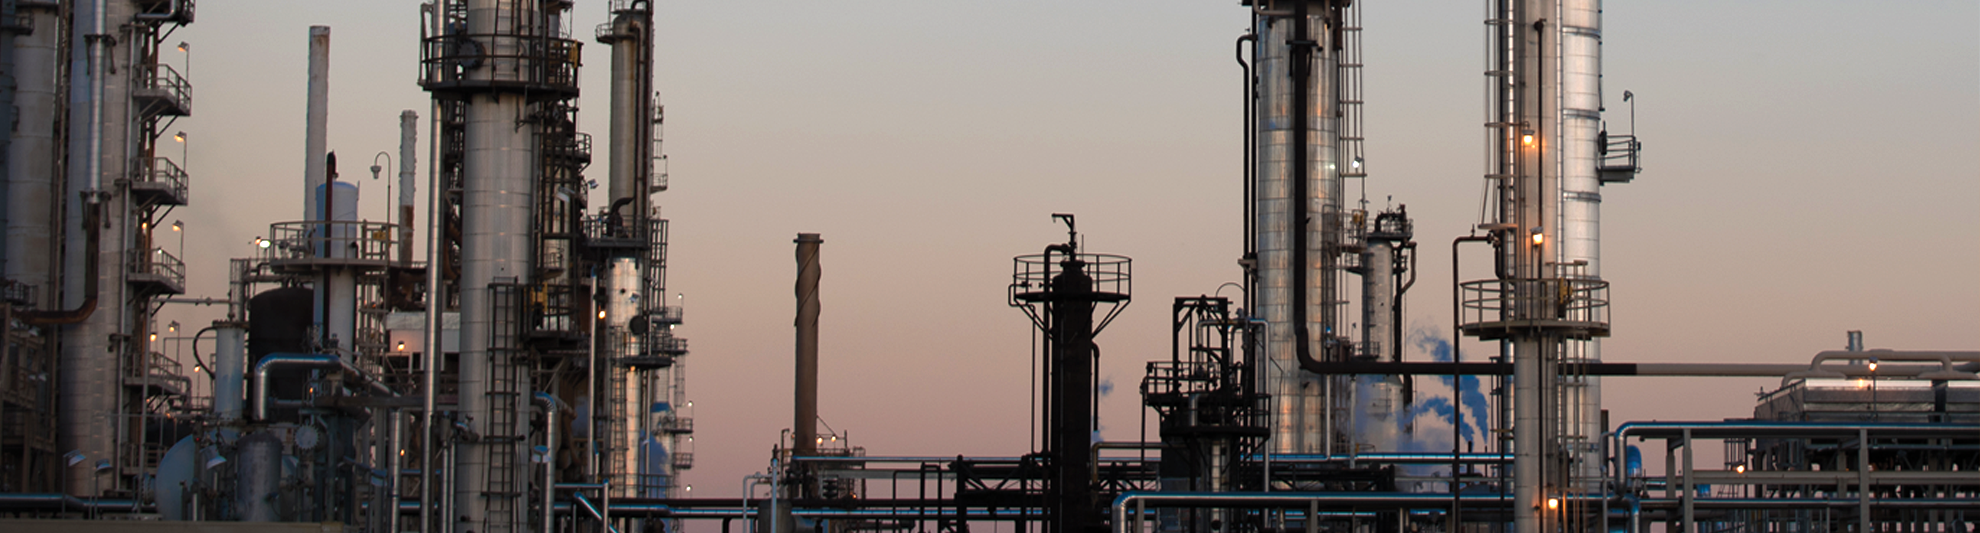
805, 414
317, 123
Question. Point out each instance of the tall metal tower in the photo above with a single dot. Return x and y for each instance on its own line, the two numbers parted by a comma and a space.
118, 184
1060, 290
1296, 227
503, 75
1548, 304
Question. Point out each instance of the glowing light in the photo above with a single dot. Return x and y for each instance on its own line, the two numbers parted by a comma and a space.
1553, 503
402, 346
1526, 139
1873, 364
1539, 239
601, 314
154, 337
1861, 383
821, 440
1740, 469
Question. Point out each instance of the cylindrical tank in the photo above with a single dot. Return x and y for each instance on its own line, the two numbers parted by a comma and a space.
278, 321
258, 475
229, 367
1299, 404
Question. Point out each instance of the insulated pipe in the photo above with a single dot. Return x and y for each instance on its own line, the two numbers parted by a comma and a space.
430, 355
316, 121
1130, 507
804, 415
229, 363
274, 361
408, 150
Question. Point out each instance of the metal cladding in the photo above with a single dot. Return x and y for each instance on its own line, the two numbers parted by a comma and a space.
32, 198
1297, 209
91, 400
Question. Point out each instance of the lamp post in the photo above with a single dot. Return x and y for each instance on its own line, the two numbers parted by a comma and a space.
180, 228
185, 151
187, 50
375, 169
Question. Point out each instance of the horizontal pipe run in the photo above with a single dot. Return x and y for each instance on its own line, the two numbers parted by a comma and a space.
1622, 369
1388, 458
317, 361
36, 502
1671, 504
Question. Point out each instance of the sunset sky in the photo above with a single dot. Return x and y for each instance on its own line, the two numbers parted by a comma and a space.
1810, 167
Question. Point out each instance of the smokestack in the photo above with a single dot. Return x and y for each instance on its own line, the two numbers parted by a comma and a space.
316, 125
805, 415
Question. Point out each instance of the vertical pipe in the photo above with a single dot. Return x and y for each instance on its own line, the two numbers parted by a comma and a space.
804, 415
408, 149
316, 121
229, 365
431, 354
395, 459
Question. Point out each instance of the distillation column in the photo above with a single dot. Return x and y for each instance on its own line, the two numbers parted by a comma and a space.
1548, 305
1297, 216
100, 76
1580, 222
498, 60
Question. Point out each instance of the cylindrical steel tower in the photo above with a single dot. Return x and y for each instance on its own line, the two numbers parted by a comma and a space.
1297, 215
495, 67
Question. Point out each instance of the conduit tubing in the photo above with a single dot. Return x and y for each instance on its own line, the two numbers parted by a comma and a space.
317, 361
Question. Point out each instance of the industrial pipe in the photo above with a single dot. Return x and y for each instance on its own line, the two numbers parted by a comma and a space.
317, 361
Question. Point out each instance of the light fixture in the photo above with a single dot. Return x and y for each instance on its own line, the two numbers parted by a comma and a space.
173, 327
74, 456
402, 346
601, 314
1538, 237
1873, 364
821, 440
1553, 503
1526, 139
178, 226
184, 47
690, 488
103, 465
154, 336
1739, 469
261, 243
180, 136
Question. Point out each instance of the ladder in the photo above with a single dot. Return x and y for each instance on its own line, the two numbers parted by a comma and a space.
505, 434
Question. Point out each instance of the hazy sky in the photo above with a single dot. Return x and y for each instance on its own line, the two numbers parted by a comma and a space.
1810, 168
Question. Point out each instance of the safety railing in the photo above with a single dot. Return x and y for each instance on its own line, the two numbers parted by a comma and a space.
666, 315
161, 81
1563, 300
160, 174
1167, 377
157, 265
1619, 162
677, 424
513, 61
326, 241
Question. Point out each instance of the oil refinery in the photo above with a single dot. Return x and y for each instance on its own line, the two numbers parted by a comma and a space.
1361, 339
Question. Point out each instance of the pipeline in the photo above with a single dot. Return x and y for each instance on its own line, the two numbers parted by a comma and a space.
268, 363
93, 232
